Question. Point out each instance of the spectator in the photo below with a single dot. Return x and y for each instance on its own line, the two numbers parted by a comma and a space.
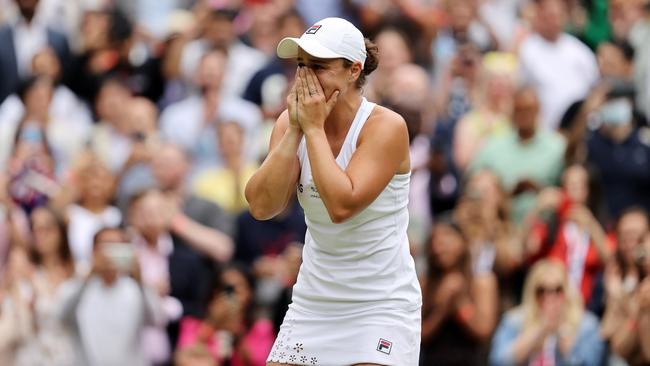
490, 115
195, 222
526, 158
67, 121
31, 169
616, 60
21, 41
269, 85
622, 274
242, 60
620, 151
631, 339
37, 335
15, 314
550, 325
229, 329
144, 140
463, 27
255, 239
117, 51
35, 94
639, 35
574, 233
459, 308
395, 52
574, 66
409, 94
190, 122
109, 309
225, 186
153, 247
111, 140
455, 98
482, 213
168, 267
92, 211
285, 270
45, 340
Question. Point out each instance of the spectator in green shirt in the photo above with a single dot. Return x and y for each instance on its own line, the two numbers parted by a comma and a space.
525, 158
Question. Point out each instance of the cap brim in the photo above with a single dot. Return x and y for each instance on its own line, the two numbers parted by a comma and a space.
288, 48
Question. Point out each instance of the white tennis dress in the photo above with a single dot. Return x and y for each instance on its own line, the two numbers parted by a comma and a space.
357, 298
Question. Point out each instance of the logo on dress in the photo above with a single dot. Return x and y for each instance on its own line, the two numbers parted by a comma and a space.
300, 188
313, 29
384, 346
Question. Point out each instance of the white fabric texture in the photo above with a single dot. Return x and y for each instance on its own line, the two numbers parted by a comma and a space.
561, 72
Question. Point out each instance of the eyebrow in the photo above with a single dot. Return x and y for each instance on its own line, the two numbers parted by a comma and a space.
313, 61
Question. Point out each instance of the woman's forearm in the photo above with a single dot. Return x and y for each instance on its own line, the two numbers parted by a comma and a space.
526, 343
482, 318
644, 334
207, 240
269, 189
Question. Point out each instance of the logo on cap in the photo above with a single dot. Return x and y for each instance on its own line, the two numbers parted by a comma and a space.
313, 29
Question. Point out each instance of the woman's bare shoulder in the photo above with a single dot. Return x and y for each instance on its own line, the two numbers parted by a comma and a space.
383, 121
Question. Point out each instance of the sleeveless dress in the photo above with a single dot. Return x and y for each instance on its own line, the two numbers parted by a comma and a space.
357, 298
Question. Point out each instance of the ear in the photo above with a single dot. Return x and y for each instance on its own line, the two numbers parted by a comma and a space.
355, 71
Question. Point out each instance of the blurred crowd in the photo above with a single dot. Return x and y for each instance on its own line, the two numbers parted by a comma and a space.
128, 131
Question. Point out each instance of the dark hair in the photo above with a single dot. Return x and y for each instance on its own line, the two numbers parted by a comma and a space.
104, 230
625, 47
121, 28
372, 61
64, 247
639, 210
218, 287
224, 14
632, 210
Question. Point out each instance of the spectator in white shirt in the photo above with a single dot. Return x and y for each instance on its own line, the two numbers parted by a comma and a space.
190, 122
110, 308
243, 60
559, 67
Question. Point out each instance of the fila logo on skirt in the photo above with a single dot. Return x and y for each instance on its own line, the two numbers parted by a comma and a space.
384, 346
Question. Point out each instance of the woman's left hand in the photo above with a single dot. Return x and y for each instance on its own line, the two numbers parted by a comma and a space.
313, 107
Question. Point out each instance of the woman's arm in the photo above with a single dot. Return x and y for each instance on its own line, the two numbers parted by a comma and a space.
644, 319
466, 143
205, 239
625, 338
383, 147
644, 334
270, 188
478, 313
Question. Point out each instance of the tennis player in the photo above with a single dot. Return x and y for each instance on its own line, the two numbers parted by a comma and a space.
357, 300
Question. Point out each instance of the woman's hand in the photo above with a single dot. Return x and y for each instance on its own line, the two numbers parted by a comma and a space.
312, 107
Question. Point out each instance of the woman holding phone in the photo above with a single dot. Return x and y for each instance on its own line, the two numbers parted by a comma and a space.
357, 300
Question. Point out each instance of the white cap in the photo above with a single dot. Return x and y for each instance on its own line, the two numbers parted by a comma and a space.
328, 38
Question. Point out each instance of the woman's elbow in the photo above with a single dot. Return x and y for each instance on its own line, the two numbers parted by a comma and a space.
261, 213
340, 215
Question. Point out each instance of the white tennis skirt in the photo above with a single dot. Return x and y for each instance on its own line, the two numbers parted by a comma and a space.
384, 337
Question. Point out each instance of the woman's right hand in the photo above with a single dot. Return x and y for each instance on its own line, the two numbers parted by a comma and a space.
552, 316
292, 105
